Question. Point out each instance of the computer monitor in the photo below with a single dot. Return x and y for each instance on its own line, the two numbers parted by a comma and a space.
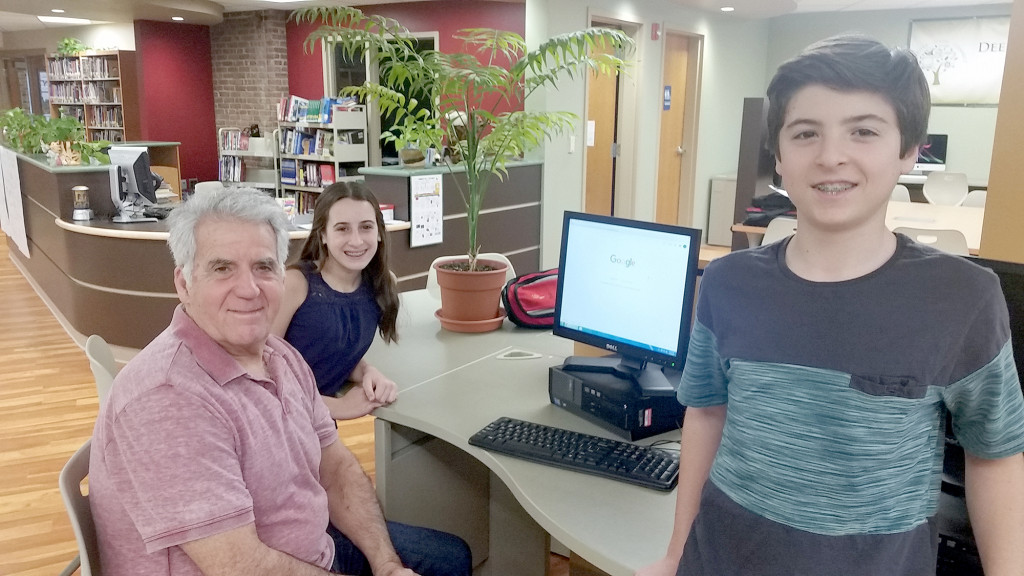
627, 286
138, 183
952, 520
931, 156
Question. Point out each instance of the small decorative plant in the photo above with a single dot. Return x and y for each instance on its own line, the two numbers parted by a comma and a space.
70, 47
466, 90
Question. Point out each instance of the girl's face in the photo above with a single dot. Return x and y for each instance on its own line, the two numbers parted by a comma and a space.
351, 236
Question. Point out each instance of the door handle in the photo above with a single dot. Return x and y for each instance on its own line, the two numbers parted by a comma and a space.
680, 151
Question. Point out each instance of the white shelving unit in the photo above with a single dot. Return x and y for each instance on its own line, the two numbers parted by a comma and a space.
255, 166
313, 154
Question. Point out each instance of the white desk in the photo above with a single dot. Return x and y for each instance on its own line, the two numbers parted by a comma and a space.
967, 219
451, 385
919, 179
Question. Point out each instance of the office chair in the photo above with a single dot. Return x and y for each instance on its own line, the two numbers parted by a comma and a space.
434, 290
102, 363
778, 228
976, 198
952, 241
900, 194
946, 188
77, 505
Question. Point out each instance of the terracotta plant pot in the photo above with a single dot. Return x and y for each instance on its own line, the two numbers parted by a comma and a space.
469, 300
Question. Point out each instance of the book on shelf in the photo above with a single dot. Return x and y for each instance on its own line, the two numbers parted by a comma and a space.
326, 174
289, 171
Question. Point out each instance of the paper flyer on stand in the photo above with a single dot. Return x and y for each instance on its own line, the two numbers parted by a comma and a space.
425, 210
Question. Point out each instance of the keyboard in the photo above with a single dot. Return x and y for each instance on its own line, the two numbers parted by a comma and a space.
624, 461
159, 212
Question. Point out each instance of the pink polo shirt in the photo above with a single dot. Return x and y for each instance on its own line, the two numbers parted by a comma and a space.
190, 445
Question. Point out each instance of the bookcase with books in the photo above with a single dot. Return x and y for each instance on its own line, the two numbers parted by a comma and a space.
321, 142
247, 160
100, 89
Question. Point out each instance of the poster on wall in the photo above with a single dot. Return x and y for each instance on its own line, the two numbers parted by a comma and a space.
14, 214
962, 58
426, 210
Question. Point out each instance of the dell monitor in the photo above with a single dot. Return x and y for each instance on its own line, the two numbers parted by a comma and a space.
138, 184
931, 156
627, 286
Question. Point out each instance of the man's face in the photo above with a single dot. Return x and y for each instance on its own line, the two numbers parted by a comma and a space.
839, 157
236, 284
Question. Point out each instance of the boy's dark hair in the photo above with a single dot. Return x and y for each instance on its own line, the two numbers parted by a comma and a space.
851, 63
377, 272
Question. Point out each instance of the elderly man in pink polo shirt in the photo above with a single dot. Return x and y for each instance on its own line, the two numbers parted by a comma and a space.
214, 453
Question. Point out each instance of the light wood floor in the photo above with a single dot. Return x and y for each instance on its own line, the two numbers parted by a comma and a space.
48, 407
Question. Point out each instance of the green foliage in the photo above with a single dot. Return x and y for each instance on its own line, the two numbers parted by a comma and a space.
70, 46
467, 88
32, 134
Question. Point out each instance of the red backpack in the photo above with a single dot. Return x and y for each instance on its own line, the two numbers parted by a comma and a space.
529, 299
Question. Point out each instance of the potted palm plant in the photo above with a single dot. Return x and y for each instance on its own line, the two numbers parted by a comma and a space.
467, 91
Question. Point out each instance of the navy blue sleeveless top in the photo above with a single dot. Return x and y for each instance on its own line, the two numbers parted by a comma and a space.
333, 330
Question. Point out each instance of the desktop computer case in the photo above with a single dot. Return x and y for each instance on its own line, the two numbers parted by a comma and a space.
614, 403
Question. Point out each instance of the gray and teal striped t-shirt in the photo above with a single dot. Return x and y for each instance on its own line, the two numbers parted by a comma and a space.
837, 395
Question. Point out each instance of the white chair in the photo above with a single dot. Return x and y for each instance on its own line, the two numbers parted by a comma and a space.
102, 363
80, 513
778, 228
434, 290
900, 194
210, 186
976, 198
946, 188
952, 241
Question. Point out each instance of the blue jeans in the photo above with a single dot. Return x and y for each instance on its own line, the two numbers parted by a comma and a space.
427, 552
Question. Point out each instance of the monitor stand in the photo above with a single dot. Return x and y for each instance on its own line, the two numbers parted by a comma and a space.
649, 377
128, 213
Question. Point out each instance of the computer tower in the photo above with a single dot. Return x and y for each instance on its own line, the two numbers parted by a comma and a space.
614, 403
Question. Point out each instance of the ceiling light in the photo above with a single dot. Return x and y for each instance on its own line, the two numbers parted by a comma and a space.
727, 8
177, 18
57, 11
63, 20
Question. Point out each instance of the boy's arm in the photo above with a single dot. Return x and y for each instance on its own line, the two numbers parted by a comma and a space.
702, 433
995, 501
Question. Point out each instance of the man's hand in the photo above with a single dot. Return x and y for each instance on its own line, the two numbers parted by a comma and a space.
394, 569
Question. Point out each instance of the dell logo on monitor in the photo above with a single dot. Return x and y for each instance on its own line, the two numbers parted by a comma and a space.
612, 347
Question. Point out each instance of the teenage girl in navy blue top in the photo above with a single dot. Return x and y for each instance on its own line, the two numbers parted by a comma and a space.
337, 295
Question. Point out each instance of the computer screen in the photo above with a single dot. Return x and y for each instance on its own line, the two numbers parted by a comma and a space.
931, 156
952, 514
139, 183
627, 286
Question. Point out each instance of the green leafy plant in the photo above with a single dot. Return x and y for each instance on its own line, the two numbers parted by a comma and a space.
466, 90
34, 134
70, 46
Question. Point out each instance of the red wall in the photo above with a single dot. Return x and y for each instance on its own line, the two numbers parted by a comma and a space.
446, 17
176, 92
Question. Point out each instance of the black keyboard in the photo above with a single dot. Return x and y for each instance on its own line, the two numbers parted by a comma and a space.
640, 465
159, 212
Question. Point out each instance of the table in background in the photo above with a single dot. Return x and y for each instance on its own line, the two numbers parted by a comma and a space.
966, 219
452, 385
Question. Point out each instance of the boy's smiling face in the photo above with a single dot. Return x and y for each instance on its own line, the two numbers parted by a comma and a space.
839, 157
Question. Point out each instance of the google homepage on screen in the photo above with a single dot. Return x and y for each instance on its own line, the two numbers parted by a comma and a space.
625, 284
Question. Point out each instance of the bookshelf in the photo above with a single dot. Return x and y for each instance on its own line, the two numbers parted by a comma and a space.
248, 161
100, 89
316, 154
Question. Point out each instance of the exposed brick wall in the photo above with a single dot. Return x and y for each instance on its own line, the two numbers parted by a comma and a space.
250, 68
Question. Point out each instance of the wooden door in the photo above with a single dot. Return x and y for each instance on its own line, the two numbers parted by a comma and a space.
602, 103
671, 151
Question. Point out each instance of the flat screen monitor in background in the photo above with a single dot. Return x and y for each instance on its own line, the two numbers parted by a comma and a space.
931, 156
627, 287
138, 184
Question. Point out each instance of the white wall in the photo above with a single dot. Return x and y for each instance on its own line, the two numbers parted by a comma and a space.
97, 36
734, 67
970, 129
